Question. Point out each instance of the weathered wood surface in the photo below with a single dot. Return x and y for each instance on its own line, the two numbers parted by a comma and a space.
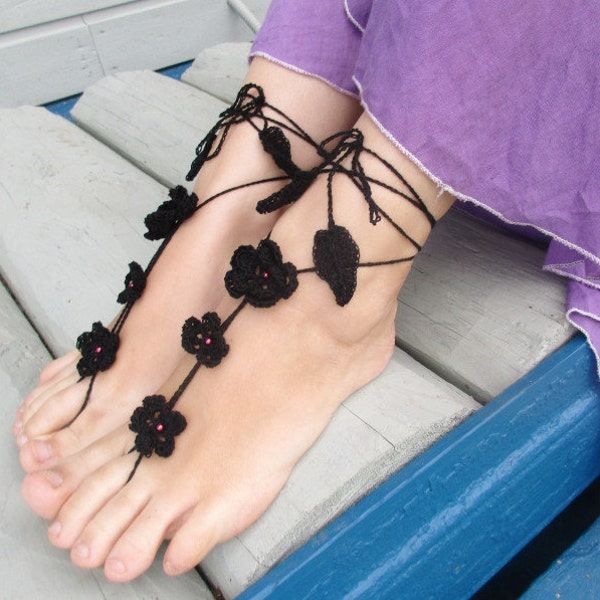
154, 121
64, 48
220, 70
30, 567
18, 14
72, 219
476, 308
79, 50
149, 35
74, 210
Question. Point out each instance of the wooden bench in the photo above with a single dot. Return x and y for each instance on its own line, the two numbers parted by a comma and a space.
475, 316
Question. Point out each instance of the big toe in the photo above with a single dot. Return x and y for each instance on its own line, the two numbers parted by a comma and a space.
56, 412
45, 492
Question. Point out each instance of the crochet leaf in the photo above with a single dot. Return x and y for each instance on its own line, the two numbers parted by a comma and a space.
336, 257
278, 146
287, 194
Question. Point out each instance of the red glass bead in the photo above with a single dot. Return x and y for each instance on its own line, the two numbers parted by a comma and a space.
159, 427
98, 350
207, 342
265, 275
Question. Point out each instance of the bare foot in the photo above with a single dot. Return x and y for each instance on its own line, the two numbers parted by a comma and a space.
186, 280
253, 416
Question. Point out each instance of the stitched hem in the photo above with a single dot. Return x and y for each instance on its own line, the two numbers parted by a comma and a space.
291, 67
463, 197
581, 329
352, 19
564, 273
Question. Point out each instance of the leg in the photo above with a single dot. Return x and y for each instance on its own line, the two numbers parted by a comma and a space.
150, 345
252, 417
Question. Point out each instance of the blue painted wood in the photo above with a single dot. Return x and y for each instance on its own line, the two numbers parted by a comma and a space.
62, 108
176, 71
444, 524
575, 575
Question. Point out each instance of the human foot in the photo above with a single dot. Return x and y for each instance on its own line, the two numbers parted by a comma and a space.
149, 348
250, 419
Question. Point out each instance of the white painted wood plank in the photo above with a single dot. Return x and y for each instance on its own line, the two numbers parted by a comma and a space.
155, 33
348, 460
477, 308
30, 567
258, 8
51, 61
58, 59
220, 70
154, 121
72, 220
17, 14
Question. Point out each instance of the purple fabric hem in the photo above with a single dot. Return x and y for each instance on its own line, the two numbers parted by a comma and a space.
589, 326
291, 67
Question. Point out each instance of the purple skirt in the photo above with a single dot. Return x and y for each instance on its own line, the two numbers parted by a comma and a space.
499, 102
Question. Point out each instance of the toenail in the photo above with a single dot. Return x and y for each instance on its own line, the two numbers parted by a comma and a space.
42, 450
18, 426
82, 550
22, 440
54, 529
53, 478
115, 565
171, 569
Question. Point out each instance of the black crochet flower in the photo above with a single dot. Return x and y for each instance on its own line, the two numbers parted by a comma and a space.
260, 275
135, 282
156, 425
205, 339
170, 214
98, 349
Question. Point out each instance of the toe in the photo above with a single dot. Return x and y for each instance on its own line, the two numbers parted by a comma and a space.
200, 533
86, 501
46, 390
112, 522
136, 548
39, 491
56, 411
56, 366
36, 454
45, 491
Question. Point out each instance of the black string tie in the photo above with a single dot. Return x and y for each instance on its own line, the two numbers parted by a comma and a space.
261, 278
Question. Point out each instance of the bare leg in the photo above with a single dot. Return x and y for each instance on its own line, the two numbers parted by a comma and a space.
186, 279
252, 417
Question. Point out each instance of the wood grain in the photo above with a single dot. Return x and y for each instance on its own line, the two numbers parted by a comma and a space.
72, 220
152, 120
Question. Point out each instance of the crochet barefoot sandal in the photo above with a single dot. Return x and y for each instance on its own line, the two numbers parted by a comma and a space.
98, 347
260, 277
